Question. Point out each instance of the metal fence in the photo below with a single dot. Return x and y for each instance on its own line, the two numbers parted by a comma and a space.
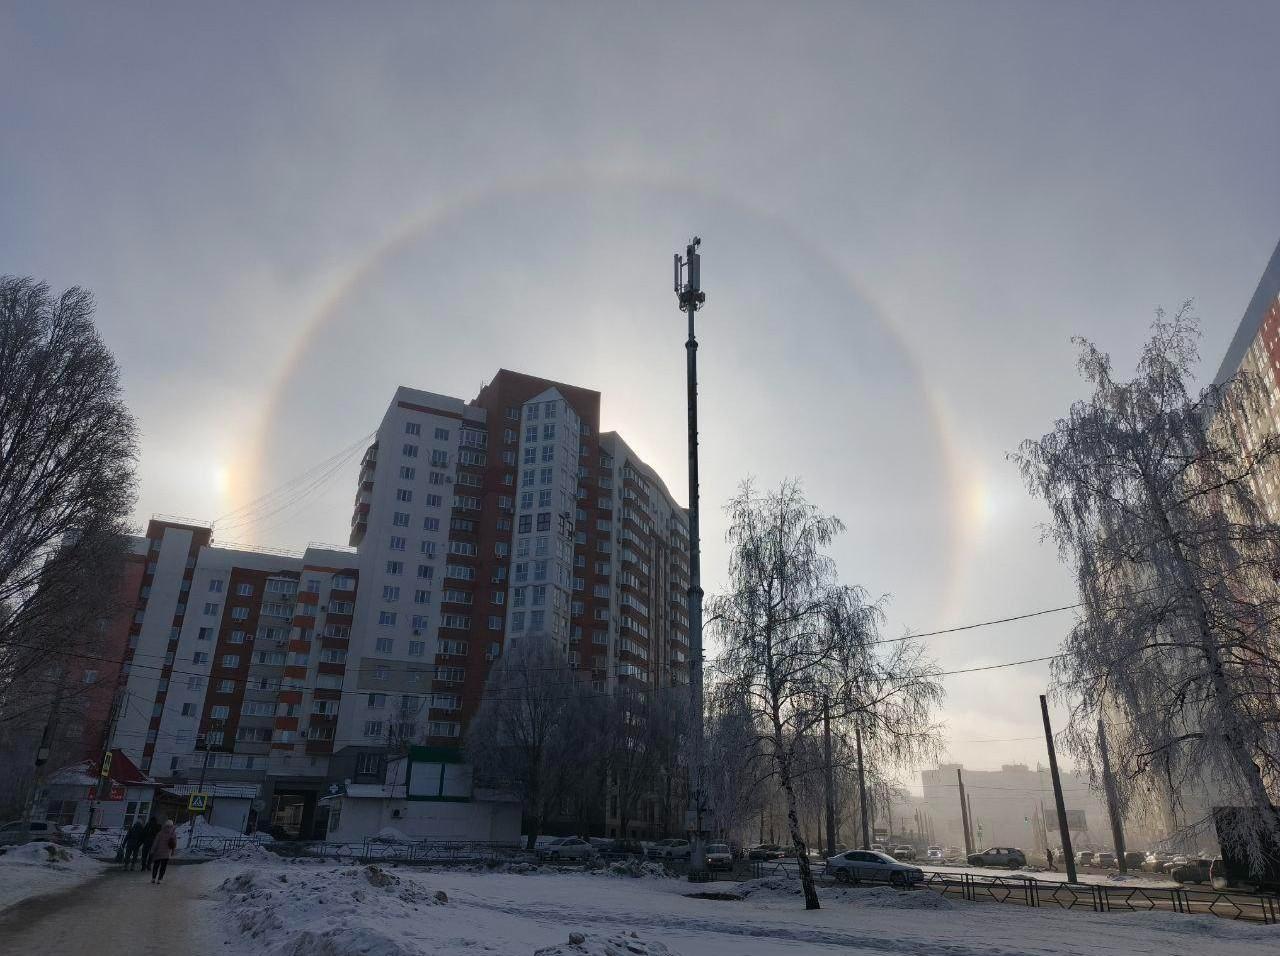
1095, 897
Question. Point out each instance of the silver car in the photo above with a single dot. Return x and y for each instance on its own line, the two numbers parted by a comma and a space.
566, 848
27, 831
719, 857
874, 867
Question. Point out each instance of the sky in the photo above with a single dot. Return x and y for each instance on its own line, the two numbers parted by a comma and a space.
907, 211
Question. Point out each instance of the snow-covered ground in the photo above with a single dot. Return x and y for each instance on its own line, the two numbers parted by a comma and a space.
37, 868
292, 909
1058, 876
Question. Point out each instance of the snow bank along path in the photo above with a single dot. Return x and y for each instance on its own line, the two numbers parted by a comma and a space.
34, 869
296, 908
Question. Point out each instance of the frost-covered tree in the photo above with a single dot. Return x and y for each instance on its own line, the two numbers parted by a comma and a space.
1152, 489
525, 735
795, 638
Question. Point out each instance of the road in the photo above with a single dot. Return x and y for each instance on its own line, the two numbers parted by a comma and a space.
117, 913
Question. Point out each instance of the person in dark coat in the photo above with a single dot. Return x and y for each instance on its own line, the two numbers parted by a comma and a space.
133, 844
164, 847
148, 837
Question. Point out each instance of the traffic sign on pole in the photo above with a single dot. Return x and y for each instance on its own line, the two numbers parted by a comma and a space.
198, 802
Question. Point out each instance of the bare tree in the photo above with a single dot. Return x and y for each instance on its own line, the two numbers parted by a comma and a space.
1153, 493
735, 763
524, 736
67, 455
796, 639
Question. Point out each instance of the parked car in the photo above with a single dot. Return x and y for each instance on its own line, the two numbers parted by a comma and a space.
1084, 858
903, 851
1008, 856
26, 831
766, 851
878, 847
669, 850
936, 854
1193, 871
1157, 861
1106, 861
1134, 859
566, 848
857, 865
631, 847
719, 857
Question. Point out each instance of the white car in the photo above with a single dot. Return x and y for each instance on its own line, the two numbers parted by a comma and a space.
669, 850
719, 857
566, 848
935, 854
874, 867
24, 831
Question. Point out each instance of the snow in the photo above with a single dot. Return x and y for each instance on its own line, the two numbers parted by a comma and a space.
34, 869
208, 831
306, 907
103, 841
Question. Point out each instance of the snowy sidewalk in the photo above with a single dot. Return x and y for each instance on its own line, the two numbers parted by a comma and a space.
118, 913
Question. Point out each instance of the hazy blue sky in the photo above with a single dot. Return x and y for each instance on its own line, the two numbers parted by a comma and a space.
286, 210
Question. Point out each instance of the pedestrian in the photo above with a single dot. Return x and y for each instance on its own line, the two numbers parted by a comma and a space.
133, 844
165, 845
1049, 855
148, 837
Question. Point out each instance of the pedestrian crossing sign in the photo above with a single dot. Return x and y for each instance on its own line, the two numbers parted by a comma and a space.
198, 802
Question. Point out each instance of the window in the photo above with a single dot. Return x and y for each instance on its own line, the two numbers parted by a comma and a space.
393, 567
212, 608
531, 455
421, 597
390, 592
526, 500
343, 583
373, 728
497, 597
539, 594
544, 521
451, 675
509, 458
204, 634
417, 648
230, 660
502, 549
381, 673
544, 476
535, 620
540, 570
455, 621
439, 459
519, 596
426, 572
495, 622
548, 432
412, 428
200, 657
544, 499
410, 451
521, 572
548, 454
428, 548
438, 478
407, 472
397, 543
434, 501
226, 687
549, 409
462, 547
517, 620
442, 434
387, 618
188, 710
400, 519
540, 545
384, 645
466, 502
443, 728
220, 712
454, 648
244, 590
525, 524
236, 637
531, 433
459, 571
430, 524
215, 586
365, 764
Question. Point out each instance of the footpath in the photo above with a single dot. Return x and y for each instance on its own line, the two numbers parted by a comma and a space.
116, 913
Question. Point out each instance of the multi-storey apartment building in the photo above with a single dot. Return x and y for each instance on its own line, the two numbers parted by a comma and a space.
509, 517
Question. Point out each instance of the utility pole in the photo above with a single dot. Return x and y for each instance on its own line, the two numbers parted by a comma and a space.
1067, 853
864, 811
102, 791
691, 297
964, 815
831, 782
204, 768
1113, 799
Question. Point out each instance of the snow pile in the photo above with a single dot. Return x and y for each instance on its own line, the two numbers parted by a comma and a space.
329, 911
250, 853
874, 897
770, 887
391, 834
36, 868
104, 842
209, 831
635, 869
618, 944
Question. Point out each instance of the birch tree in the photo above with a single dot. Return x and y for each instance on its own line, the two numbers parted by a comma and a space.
796, 639
1153, 491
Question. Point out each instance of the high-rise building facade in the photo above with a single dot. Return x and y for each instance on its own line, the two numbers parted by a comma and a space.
510, 517
476, 523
